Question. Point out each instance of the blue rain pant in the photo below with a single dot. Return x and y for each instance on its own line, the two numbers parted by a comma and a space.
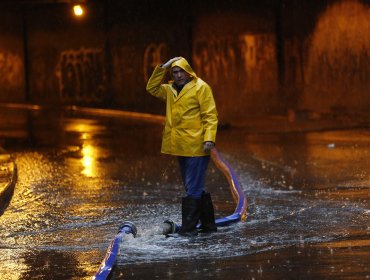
193, 173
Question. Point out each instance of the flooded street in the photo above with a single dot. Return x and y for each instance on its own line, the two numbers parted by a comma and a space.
81, 176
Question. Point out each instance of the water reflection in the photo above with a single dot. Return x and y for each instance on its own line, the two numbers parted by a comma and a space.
305, 160
89, 155
76, 187
46, 265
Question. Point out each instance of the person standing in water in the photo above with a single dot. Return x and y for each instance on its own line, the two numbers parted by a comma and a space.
190, 134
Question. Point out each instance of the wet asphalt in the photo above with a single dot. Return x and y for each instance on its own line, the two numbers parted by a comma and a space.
80, 175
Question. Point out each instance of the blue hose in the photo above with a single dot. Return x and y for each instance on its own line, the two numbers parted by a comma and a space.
113, 250
240, 213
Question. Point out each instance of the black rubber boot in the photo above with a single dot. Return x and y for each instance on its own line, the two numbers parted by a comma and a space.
190, 216
207, 214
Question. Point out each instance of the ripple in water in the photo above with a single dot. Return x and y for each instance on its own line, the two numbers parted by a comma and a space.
277, 219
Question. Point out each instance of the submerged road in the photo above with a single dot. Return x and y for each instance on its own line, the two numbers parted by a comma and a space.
81, 175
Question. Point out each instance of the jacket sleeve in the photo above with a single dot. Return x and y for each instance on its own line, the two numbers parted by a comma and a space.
208, 114
154, 86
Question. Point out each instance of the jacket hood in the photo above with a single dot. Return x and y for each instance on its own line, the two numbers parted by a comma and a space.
184, 64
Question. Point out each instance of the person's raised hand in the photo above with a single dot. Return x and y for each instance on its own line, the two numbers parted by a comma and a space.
168, 63
208, 146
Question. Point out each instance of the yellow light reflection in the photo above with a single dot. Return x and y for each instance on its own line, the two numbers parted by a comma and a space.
345, 244
78, 10
89, 154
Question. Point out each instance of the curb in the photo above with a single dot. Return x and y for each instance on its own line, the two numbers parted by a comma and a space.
8, 179
294, 121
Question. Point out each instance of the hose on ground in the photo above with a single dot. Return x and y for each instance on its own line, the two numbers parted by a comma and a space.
113, 250
240, 213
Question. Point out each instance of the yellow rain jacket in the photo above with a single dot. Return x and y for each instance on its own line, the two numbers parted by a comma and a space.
191, 115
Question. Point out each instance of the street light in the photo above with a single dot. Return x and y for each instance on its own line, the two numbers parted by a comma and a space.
78, 10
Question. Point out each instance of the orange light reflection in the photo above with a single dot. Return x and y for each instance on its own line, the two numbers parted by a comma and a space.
89, 155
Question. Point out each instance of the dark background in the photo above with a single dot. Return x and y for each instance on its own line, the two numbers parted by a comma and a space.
260, 57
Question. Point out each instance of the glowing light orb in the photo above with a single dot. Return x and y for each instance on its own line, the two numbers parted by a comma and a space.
78, 10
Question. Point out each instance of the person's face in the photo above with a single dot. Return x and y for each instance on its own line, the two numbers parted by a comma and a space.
180, 77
